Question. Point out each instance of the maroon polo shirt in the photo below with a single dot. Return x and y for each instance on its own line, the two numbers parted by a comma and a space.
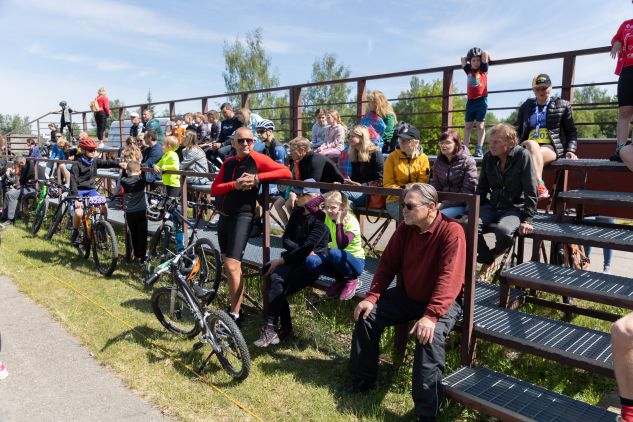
432, 262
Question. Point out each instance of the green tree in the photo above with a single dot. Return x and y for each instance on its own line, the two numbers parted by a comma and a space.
247, 68
149, 100
14, 123
332, 96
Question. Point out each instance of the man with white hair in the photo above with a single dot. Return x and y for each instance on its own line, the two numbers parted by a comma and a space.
137, 127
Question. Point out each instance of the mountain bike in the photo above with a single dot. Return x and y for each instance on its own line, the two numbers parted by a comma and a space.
97, 234
63, 211
162, 208
26, 206
51, 189
182, 309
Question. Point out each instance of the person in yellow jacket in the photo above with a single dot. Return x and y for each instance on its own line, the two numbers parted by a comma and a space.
170, 161
405, 166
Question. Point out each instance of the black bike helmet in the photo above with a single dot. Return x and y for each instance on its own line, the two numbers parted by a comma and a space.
473, 52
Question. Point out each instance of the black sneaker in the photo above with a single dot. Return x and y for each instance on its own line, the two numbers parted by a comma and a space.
238, 320
74, 237
284, 332
359, 386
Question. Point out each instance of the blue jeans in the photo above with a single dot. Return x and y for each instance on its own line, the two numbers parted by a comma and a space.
454, 212
606, 253
338, 264
356, 198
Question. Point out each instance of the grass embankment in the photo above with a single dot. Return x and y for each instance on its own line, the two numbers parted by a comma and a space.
297, 380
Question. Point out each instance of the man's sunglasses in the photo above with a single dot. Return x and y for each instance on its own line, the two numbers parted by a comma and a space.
410, 206
245, 141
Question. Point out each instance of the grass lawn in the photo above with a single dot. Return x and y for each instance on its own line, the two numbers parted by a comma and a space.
297, 380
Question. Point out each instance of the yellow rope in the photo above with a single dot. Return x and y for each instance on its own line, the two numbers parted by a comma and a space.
147, 339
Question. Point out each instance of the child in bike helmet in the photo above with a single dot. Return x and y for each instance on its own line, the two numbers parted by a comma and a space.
475, 64
82, 178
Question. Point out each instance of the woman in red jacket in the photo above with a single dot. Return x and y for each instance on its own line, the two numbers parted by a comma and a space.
101, 112
236, 187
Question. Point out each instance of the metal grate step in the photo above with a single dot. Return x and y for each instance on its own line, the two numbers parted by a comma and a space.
616, 199
588, 285
556, 340
546, 229
508, 398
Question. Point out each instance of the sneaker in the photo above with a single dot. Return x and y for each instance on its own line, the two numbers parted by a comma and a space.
284, 332
543, 193
487, 270
359, 386
479, 151
238, 319
349, 289
335, 289
74, 237
607, 269
267, 337
3, 371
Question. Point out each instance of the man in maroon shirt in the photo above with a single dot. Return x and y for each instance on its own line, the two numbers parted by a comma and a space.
429, 254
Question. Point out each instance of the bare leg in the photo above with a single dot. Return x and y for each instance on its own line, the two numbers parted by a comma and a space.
79, 213
625, 114
622, 347
541, 156
481, 133
626, 154
467, 129
236, 287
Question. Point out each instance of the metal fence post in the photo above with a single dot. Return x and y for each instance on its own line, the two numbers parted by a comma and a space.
244, 99
296, 111
205, 105
121, 120
172, 110
569, 70
447, 99
361, 98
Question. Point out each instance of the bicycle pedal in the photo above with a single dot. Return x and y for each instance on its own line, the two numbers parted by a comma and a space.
197, 346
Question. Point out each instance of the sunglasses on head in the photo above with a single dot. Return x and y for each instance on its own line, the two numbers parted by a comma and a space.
245, 141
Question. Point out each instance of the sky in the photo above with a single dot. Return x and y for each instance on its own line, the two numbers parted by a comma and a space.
66, 50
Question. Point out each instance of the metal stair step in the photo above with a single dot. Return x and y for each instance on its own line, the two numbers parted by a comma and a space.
596, 287
547, 229
593, 197
560, 341
507, 398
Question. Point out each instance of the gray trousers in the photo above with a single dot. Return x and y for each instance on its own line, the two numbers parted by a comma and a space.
507, 222
12, 198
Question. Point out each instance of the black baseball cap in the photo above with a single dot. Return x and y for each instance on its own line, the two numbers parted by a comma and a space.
408, 131
542, 81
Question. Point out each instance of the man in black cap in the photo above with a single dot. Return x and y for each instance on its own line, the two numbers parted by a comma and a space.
289, 274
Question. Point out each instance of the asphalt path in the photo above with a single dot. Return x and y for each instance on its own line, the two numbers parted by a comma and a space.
52, 377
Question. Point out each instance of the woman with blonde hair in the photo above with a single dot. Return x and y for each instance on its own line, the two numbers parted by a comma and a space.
334, 136
366, 162
380, 119
194, 158
345, 259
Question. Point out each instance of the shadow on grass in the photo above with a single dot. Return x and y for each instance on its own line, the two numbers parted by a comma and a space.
333, 375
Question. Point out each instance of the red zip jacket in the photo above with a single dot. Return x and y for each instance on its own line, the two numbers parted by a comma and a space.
237, 201
432, 262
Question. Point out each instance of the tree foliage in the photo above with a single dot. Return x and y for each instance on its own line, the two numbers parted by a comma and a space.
14, 123
149, 100
332, 96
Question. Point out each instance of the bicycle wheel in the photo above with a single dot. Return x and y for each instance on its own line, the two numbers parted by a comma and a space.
58, 219
104, 247
207, 270
233, 354
83, 247
173, 312
40, 215
28, 203
158, 247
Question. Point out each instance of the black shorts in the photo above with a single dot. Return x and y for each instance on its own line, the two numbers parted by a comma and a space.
233, 234
625, 87
172, 191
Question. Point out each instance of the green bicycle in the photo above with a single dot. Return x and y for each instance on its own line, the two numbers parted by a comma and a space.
49, 189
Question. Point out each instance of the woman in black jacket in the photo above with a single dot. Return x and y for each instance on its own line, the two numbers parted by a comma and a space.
366, 161
545, 126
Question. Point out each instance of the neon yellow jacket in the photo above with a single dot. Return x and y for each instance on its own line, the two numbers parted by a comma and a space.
170, 161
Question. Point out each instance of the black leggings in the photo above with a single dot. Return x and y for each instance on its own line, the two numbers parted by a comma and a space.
100, 119
233, 234
137, 224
